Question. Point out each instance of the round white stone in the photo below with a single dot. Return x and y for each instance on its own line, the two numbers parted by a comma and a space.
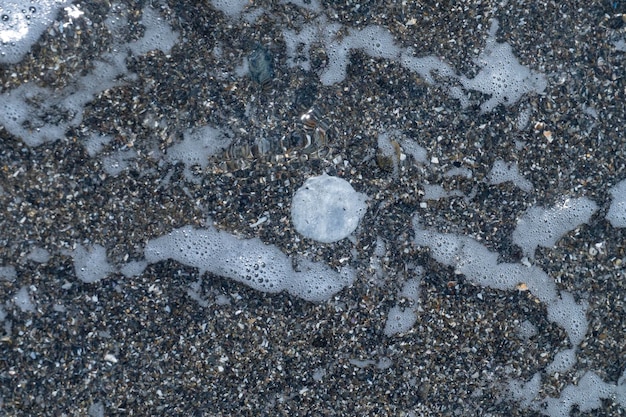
327, 209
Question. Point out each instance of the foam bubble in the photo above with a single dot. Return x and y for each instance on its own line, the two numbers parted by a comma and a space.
250, 262
399, 320
156, 36
587, 395
231, 8
617, 211
525, 392
23, 300
312, 5
418, 152
444, 247
299, 45
313, 282
8, 272
196, 148
90, 263
502, 76
426, 66
545, 226
21, 25
375, 41
480, 266
508, 171
133, 269
38, 115
562, 362
570, 315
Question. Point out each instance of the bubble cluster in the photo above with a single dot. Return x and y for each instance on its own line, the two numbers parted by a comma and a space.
248, 261
617, 212
22, 25
545, 226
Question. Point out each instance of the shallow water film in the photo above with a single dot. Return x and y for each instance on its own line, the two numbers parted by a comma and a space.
457, 244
